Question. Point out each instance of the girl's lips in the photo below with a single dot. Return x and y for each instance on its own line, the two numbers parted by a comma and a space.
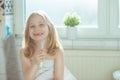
38, 34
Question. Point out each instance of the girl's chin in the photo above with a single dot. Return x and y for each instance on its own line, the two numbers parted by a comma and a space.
38, 39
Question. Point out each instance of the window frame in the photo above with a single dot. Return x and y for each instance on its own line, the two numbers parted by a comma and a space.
106, 20
114, 18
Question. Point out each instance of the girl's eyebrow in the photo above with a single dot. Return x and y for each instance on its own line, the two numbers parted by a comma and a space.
30, 23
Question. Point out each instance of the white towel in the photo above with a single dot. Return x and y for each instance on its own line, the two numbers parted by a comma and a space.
11, 59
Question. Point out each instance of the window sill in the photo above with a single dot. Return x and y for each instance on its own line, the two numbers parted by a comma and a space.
86, 44
91, 44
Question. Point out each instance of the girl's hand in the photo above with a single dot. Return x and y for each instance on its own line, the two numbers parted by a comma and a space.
38, 57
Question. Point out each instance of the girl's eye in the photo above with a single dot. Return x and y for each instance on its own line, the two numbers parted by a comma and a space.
32, 26
41, 25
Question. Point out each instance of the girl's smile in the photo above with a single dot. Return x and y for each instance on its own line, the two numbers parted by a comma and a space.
37, 34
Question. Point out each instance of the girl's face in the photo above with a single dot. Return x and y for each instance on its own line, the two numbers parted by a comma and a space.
38, 29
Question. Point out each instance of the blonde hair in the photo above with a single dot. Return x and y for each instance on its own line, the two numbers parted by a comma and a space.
52, 39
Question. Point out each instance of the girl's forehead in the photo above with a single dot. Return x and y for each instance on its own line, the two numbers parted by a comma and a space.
36, 18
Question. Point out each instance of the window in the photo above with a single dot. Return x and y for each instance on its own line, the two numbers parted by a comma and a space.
99, 17
56, 9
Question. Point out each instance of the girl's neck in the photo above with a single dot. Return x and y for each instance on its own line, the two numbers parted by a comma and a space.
40, 45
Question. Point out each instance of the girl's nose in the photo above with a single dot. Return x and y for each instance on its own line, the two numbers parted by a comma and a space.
37, 28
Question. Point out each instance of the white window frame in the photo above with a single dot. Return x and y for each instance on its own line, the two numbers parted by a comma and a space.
105, 37
114, 18
100, 32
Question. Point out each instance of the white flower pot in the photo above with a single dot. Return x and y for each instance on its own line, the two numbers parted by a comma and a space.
72, 33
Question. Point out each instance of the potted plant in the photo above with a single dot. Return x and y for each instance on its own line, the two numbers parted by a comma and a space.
71, 20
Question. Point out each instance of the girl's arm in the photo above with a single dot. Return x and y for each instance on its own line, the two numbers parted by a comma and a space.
28, 69
59, 66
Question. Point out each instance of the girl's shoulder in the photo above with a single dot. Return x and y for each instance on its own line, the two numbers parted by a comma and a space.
24, 59
22, 55
59, 53
21, 51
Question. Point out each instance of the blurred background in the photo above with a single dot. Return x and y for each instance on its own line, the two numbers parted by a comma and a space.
92, 47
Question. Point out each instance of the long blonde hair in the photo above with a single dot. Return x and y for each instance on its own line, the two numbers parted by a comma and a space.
52, 39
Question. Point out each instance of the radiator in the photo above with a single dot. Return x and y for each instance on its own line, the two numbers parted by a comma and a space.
92, 65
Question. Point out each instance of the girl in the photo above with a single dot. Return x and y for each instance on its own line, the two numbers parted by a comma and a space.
42, 54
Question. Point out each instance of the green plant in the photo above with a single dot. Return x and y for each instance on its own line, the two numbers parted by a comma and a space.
71, 19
